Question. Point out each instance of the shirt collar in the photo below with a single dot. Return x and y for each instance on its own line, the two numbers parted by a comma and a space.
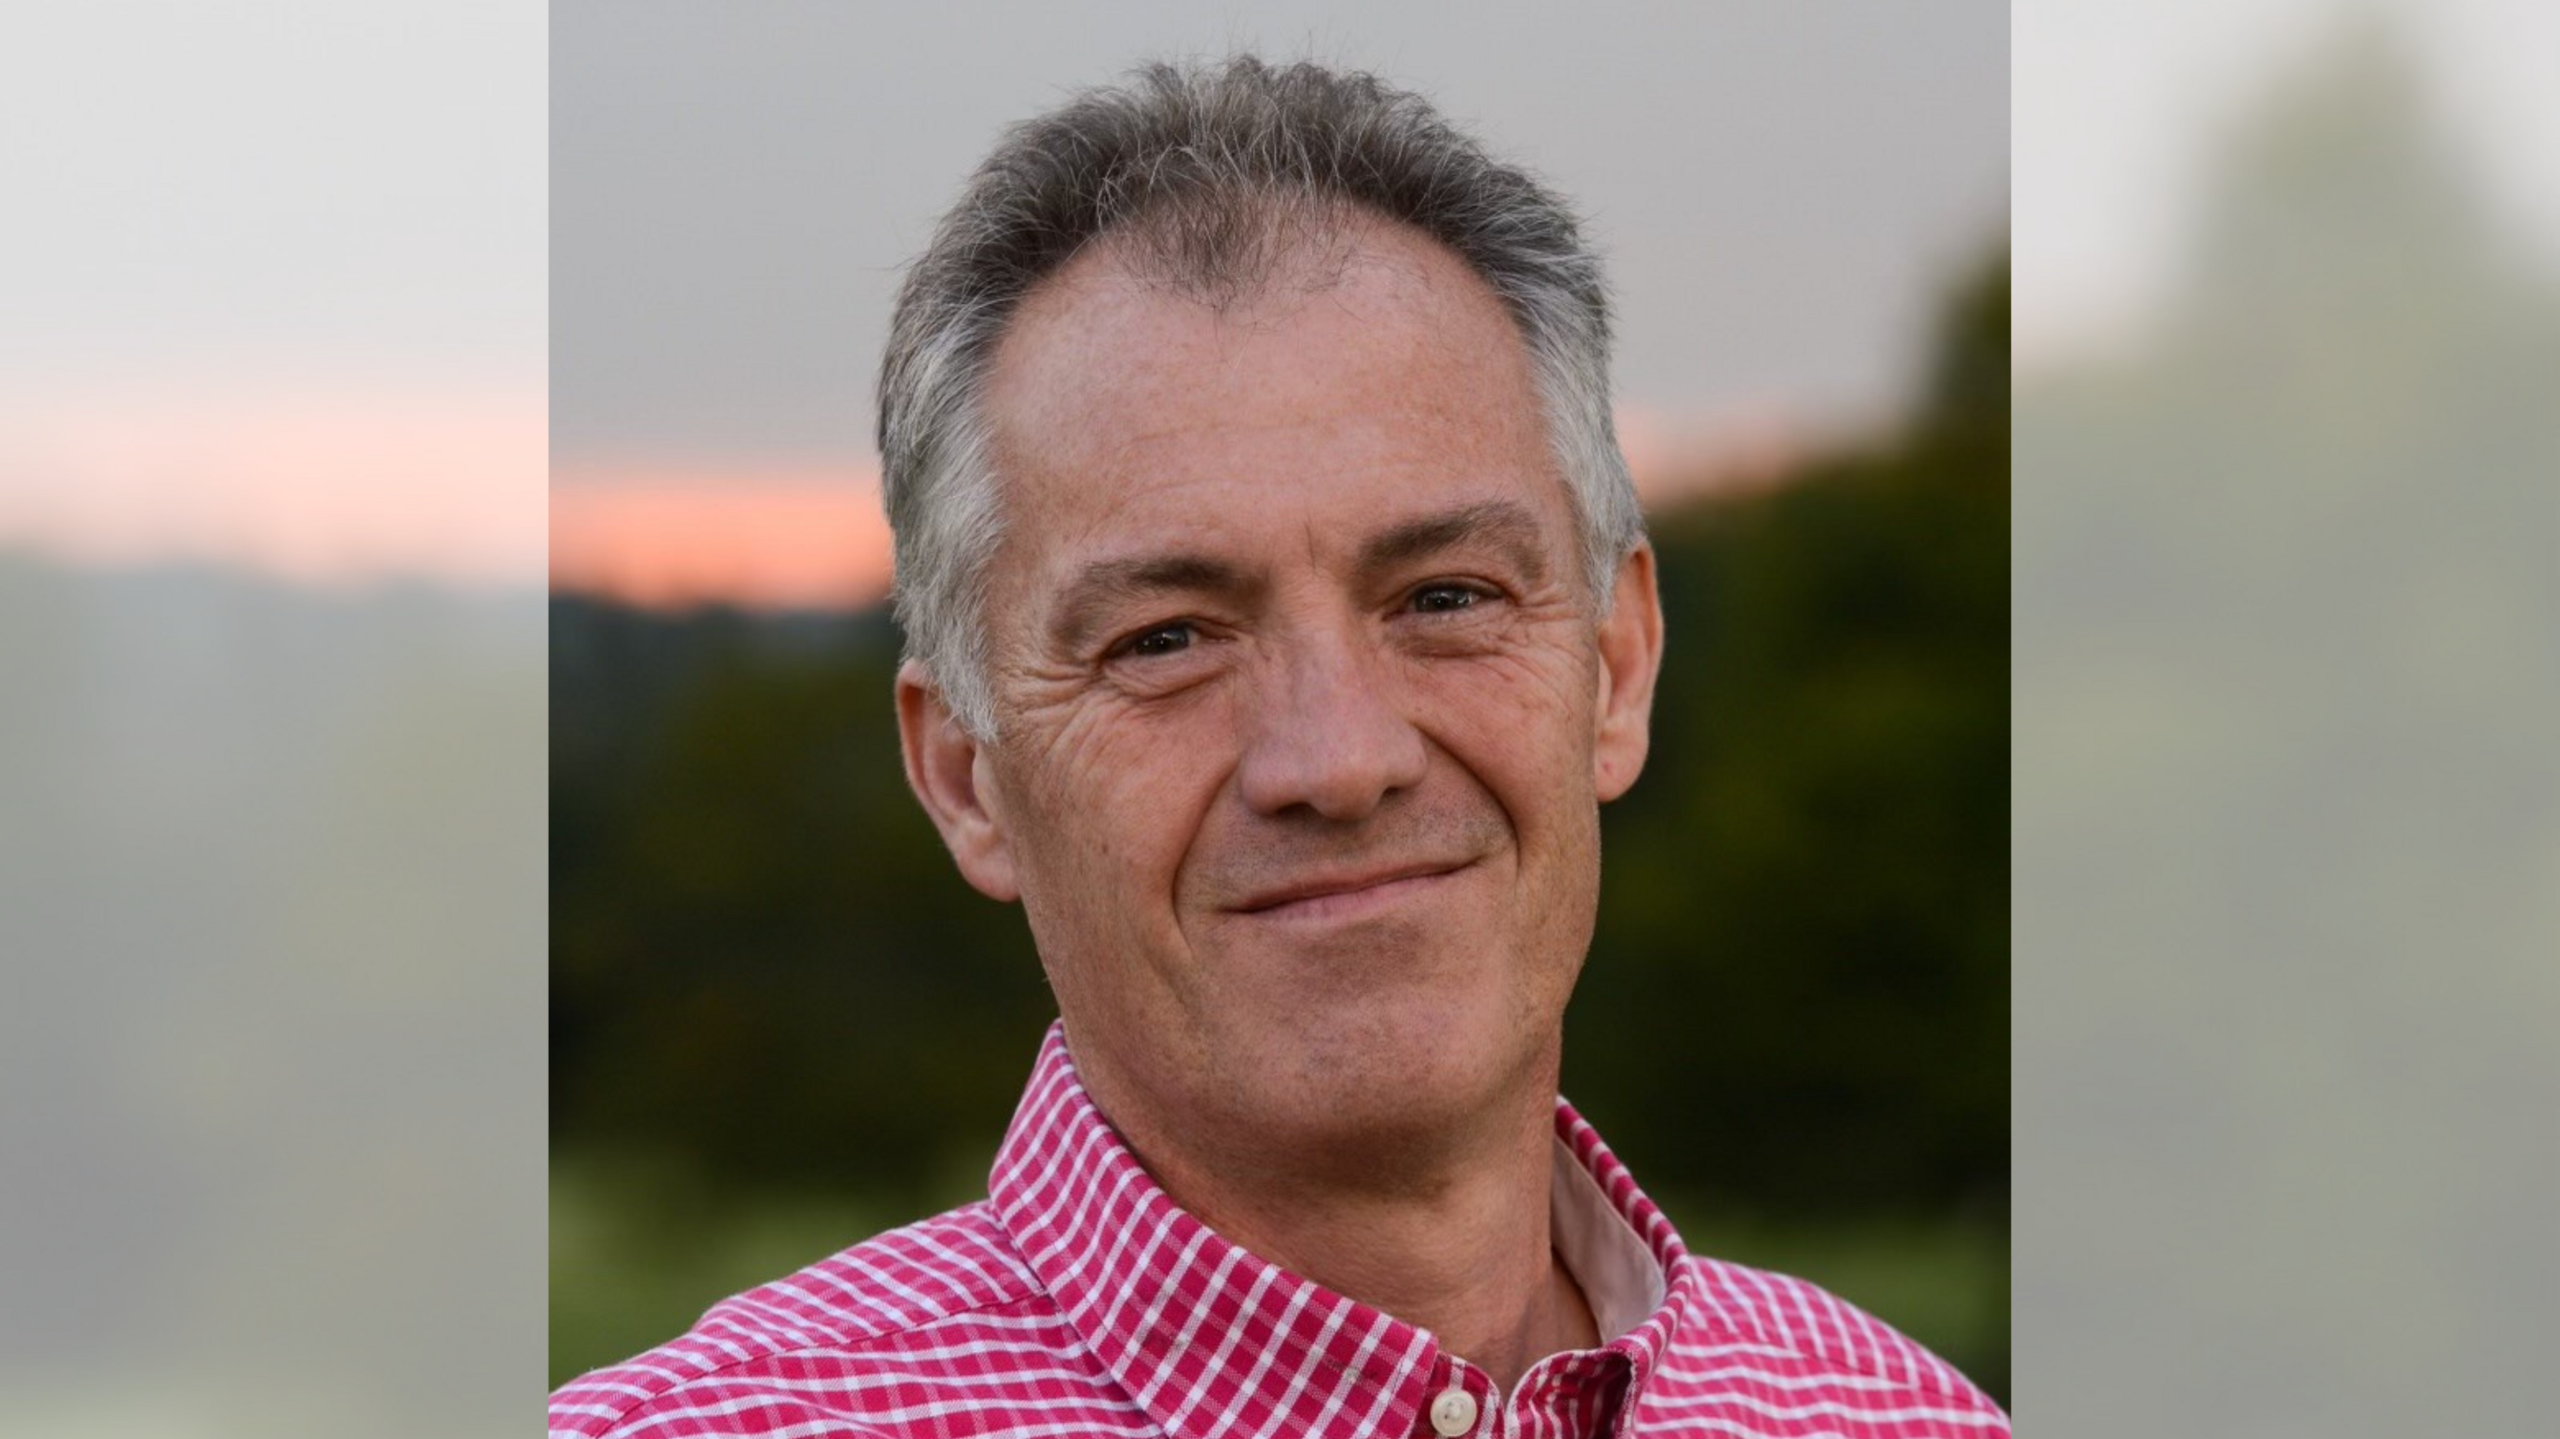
1208, 1339
1620, 1278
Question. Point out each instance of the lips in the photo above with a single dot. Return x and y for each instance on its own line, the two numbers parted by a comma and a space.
1310, 893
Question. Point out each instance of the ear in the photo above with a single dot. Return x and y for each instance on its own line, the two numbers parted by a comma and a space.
1630, 658
948, 770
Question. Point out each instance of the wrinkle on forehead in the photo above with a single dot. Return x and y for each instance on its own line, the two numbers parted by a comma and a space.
1111, 397
1067, 324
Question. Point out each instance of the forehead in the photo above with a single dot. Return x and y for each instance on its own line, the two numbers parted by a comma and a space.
1382, 372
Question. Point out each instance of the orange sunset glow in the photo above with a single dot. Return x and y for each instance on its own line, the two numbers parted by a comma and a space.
673, 537
325, 484
343, 484
670, 538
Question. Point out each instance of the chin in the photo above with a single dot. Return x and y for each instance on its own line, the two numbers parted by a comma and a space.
1377, 1072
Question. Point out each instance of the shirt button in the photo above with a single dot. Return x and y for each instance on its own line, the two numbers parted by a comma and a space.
1453, 1413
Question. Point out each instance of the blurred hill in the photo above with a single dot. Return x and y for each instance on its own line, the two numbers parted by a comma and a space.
2289, 826
268, 879
767, 976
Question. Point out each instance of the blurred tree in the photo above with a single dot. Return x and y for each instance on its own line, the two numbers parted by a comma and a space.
1797, 996
2287, 825
762, 957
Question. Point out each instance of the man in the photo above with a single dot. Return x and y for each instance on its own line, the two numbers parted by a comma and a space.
1279, 616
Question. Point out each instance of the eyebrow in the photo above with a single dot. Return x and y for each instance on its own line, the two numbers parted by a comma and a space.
1504, 524
1105, 583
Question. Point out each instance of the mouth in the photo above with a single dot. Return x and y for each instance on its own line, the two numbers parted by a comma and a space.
1349, 896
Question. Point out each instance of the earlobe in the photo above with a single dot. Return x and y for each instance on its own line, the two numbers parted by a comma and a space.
1630, 659
948, 770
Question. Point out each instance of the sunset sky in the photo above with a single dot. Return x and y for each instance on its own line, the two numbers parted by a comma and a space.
327, 482
670, 537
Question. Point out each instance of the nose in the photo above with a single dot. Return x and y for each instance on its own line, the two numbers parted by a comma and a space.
1327, 734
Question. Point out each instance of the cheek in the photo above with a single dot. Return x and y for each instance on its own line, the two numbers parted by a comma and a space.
1523, 725
1114, 799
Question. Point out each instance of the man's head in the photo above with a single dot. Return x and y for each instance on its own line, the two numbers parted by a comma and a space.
1278, 607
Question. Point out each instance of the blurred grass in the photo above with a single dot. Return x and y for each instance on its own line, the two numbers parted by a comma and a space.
642, 1245
1943, 1282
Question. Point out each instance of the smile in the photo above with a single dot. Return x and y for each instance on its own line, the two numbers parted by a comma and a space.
1350, 897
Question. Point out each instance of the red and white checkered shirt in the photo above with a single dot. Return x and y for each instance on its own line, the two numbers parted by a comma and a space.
1078, 1299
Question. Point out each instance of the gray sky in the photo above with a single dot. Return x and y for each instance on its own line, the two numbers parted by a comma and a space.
1783, 189
284, 187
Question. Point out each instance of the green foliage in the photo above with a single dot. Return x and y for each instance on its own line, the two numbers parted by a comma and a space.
762, 958
1797, 996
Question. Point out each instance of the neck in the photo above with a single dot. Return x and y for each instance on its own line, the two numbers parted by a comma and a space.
1452, 1237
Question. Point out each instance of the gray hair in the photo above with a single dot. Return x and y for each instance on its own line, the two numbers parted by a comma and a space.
1216, 173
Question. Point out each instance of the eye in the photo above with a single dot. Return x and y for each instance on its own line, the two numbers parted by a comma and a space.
1164, 639
1445, 598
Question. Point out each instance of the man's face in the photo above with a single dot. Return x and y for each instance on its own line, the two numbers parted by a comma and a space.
1305, 708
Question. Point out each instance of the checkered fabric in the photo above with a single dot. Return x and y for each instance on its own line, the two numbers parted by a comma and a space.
1079, 1300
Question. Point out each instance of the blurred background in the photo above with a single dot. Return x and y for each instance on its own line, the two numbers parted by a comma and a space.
780, 1021
272, 719
2287, 688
